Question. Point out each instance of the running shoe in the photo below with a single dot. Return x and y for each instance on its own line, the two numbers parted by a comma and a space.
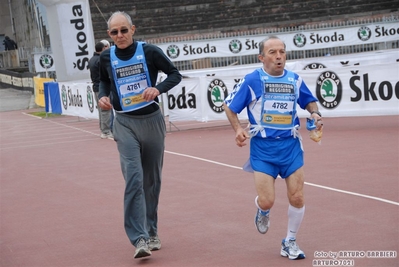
291, 250
142, 249
154, 243
262, 221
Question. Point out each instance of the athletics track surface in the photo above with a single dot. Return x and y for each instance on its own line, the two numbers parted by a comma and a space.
62, 193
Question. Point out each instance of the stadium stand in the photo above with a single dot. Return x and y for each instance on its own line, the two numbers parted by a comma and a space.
157, 18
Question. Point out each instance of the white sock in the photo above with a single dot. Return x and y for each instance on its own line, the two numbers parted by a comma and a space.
295, 217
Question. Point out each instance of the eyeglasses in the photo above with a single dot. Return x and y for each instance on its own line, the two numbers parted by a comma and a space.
115, 32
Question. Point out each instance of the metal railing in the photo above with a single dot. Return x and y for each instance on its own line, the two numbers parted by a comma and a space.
216, 62
332, 24
26, 56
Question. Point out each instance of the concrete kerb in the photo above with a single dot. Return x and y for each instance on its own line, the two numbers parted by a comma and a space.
16, 99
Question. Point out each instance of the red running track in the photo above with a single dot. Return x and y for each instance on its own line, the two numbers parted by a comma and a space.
61, 197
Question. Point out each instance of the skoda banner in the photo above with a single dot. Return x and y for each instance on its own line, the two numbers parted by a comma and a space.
304, 40
71, 36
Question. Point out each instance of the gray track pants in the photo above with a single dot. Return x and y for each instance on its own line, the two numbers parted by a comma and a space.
105, 118
141, 144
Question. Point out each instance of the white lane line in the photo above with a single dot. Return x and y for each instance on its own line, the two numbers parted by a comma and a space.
202, 159
52, 142
354, 194
240, 168
67, 126
47, 144
310, 184
33, 116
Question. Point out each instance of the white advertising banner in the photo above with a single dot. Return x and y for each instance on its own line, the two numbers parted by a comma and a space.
345, 86
358, 89
185, 100
366, 34
71, 36
355, 91
199, 99
368, 58
77, 99
306, 40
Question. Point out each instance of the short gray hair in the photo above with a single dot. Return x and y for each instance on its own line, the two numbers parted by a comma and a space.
127, 16
105, 42
262, 43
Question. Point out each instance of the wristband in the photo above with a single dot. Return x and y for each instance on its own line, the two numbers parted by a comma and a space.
317, 112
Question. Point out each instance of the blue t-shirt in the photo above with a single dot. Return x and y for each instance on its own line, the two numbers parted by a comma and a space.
271, 101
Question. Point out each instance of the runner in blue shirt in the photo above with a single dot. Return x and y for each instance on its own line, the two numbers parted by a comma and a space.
271, 95
128, 75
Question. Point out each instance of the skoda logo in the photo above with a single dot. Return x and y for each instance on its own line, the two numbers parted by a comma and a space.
364, 33
314, 66
299, 40
235, 46
217, 93
173, 51
329, 89
64, 97
46, 61
90, 99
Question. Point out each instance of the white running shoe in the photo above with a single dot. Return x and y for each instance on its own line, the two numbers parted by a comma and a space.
291, 250
142, 249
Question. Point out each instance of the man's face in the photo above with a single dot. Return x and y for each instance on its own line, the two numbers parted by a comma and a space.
121, 32
273, 57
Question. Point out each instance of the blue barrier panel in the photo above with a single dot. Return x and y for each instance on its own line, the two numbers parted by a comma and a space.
52, 98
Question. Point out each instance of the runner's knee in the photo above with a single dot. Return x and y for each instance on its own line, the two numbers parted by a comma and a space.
265, 202
296, 199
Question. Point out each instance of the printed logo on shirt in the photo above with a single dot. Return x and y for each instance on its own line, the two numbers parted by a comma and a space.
299, 40
64, 97
329, 89
279, 88
90, 98
173, 51
217, 93
235, 46
130, 70
364, 33
236, 87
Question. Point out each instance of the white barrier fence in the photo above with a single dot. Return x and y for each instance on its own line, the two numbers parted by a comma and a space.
359, 85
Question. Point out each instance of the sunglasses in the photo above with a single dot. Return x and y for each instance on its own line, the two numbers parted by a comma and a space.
115, 32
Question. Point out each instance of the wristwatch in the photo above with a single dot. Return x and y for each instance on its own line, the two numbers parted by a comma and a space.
317, 112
